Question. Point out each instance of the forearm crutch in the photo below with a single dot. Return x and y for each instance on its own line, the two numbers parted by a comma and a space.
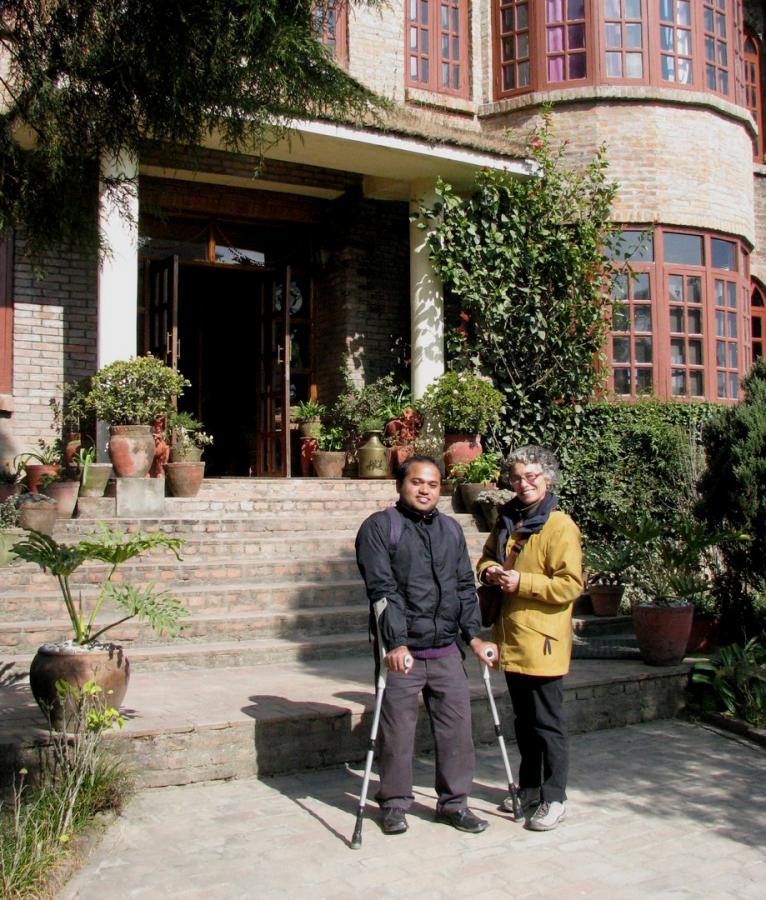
377, 608
512, 790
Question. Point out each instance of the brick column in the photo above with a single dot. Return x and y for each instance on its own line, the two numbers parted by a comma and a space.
426, 301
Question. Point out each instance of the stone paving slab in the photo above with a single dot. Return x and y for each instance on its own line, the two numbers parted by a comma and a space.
664, 809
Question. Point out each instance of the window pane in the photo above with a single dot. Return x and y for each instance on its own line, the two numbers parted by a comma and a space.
696, 384
555, 39
642, 318
576, 37
695, 353
578, 66
694, 321
632, 9
676, 287
622, 381
721, 384
719, 288
733, 386
633, 36
620, 321
708, 19
731, 291
523, 74
620, 349
634, 65
720, 324
694, 289
724, 254
522, 16
643, 349
678, 383
668, 68
666, 38
554, 10
683, 248
614, 65
684, 71
683, 42
732, 324
522, 42
614, 35
677, 319
620, 287
732, 356
641, 286
678, 352
575, 9
643, 380
720, 354
556, 68
710, 49
683, 13
666, 10
612, 9
633, 245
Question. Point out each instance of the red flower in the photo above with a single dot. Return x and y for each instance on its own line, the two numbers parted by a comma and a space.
461, 330
464, 316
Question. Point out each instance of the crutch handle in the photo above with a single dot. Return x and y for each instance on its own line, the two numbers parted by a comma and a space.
408, 663
489, 653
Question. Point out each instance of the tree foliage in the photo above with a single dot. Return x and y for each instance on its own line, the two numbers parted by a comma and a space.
526, 260
88, 79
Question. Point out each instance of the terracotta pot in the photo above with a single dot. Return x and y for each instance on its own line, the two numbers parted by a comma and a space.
38, 517
310, 429
460, 449
94, 482
184, 479
188, 454
605, 598
308, 449
329, 463
106, 664
71, 447
65, 494
469, 493
703, 636
662, 633
7, 491
398, 455
35, 473
373, 459
131, 449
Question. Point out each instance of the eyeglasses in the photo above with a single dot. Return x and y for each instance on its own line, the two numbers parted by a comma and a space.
530, 478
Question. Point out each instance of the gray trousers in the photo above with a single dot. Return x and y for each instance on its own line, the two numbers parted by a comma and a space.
444, 684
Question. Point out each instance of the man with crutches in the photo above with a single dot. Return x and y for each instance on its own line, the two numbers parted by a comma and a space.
416, 558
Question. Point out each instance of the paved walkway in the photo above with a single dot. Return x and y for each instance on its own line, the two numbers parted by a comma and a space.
665, 809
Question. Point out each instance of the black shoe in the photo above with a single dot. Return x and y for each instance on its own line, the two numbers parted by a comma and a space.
394, 821
463, 820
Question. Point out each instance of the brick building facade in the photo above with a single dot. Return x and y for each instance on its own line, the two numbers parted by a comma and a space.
674, 88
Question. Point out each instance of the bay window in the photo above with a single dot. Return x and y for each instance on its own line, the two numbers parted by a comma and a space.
436, 45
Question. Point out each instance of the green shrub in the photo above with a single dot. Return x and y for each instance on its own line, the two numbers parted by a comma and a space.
486, 467
733, 489
734, 680
629, 461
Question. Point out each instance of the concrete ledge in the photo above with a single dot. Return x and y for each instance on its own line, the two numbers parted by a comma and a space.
140, 497
96, 508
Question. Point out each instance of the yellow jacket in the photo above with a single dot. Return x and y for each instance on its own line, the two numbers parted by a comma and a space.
534, 631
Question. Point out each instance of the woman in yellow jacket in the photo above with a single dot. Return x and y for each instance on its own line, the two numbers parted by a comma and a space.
534, 555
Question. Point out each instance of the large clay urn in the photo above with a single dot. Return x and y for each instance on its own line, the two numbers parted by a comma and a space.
460, 449
36, 472
106, 664
662, 633
131, 449
329, 463
184, 479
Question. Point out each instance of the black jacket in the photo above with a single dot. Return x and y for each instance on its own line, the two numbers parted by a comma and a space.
427, 580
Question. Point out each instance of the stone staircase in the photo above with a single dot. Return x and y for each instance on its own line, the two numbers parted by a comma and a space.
272, 671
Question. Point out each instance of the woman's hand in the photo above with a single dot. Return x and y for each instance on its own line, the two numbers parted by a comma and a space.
506, 579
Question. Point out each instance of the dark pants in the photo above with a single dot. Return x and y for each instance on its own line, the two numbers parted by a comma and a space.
538, 704
445, 693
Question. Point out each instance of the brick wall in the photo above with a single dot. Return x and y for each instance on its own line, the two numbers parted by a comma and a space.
54, 337
666, 159
758, 258
376, 48
362, 302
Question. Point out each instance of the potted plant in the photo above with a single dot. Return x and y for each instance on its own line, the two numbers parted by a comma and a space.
70, 414
606, 563
185, 470
330, 457
491, 500
671, 571
63, 488
476, 476
401, 432
10, 532
94, 476
130, 395
465, 405
37, 512
46, 460
85, 656
308, 414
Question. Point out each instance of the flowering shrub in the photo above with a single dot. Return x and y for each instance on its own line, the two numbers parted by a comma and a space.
463, 402
134, 391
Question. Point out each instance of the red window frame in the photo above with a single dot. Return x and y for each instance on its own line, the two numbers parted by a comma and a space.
617, 26
684, 334
758, 322
6, 315
751, 59
436, 35
331, 25
599, 14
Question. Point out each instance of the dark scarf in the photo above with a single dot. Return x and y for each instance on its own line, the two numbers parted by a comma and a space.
523, 520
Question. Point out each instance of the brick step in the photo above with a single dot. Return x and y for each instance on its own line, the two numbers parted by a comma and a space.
370, 488
596, 626
27, 636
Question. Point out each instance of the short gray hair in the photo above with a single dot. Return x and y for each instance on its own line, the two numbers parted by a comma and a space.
532, 454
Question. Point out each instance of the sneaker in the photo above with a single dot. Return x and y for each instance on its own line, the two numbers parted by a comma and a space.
463, 820
394, 821
529, 799
547, 816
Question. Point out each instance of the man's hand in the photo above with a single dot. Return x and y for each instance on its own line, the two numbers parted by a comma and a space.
481, 647
398, 659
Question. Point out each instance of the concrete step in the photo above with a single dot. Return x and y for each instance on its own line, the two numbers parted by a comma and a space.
197, 725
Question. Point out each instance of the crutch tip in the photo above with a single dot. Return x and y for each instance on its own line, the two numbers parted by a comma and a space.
356, 845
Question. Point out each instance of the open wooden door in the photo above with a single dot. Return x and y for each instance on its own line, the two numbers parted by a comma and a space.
162, 311
272, 383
